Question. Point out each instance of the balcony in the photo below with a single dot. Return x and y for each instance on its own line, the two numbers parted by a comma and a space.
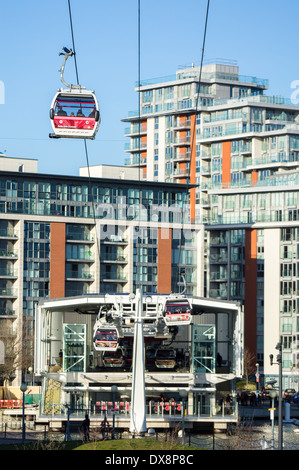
6, 253
8, 293
218, 240
205, 169
181, 172
7, 312
79, 237
7, 273
218, 258
216, 276
79, 276
113, 277
115, 240
136, 130
77, 292
182, 124
182, 156
113, 258
182, 140
218, 293
8, 233
135, 147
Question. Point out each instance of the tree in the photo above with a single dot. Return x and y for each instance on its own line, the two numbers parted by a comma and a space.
18, 350
249, 364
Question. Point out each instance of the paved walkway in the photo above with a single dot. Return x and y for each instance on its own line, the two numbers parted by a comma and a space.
262, 411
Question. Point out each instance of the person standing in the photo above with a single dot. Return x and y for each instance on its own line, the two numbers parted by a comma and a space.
86, 428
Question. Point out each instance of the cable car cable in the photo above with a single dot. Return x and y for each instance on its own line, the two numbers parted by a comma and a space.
194, 131
73, 41
85, 145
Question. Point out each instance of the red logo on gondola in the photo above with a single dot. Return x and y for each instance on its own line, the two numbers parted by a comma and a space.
74, 123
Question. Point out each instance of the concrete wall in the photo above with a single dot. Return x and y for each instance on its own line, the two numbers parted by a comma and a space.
18, 164
110, 171
271, 297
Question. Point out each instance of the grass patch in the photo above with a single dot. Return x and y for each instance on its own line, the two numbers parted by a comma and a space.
109, 445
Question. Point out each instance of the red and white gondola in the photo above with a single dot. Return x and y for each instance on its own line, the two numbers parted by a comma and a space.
165, 358
74, 111
105, 338
177, 311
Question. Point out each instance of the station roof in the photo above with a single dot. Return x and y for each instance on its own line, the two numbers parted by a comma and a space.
90, 304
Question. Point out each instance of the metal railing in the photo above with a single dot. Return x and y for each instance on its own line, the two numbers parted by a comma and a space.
154, 408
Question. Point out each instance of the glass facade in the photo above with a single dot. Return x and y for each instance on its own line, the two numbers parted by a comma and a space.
204, 348
36, 264
74, 348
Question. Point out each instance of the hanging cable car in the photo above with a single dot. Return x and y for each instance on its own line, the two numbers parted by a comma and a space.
105, 337
177, 311
165, 358
74, 111
114, 358
105, 332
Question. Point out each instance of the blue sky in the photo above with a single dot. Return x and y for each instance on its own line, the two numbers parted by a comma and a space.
261, 36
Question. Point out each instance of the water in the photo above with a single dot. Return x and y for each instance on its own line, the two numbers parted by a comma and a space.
257, 436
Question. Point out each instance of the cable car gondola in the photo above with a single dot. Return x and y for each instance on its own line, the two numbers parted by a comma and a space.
105, 338
165, 358
113, 358
74, 111
177, 311
75, 114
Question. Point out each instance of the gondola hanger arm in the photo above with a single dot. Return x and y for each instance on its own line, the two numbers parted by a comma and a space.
67, 53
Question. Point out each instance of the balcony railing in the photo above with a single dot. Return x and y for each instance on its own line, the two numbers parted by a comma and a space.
5, 272
7, 312
85, 275
8, 253
82, 237
8, 292
106, 258
116, 277
7, 233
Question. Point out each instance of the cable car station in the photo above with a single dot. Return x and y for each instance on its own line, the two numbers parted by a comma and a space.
118, 356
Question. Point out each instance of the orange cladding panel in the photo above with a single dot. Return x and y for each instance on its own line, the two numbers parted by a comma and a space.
164, 260
253, 178
57, 260
250, 303
226, 164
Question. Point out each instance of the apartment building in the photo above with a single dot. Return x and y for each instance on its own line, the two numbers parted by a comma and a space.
63, 236
239, 146
68, 245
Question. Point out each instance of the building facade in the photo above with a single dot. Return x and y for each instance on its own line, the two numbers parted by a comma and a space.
219, 130
64, 236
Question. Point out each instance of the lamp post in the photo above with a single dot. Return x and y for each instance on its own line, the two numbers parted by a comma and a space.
183, 395
30, 370
257, 378
279, 362
273, 395
23, 389
114, 390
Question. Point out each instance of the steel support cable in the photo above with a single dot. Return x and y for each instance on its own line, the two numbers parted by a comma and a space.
139, 130
85, 144
193, 129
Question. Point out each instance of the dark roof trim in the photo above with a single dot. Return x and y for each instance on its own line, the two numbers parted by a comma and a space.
85, 179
